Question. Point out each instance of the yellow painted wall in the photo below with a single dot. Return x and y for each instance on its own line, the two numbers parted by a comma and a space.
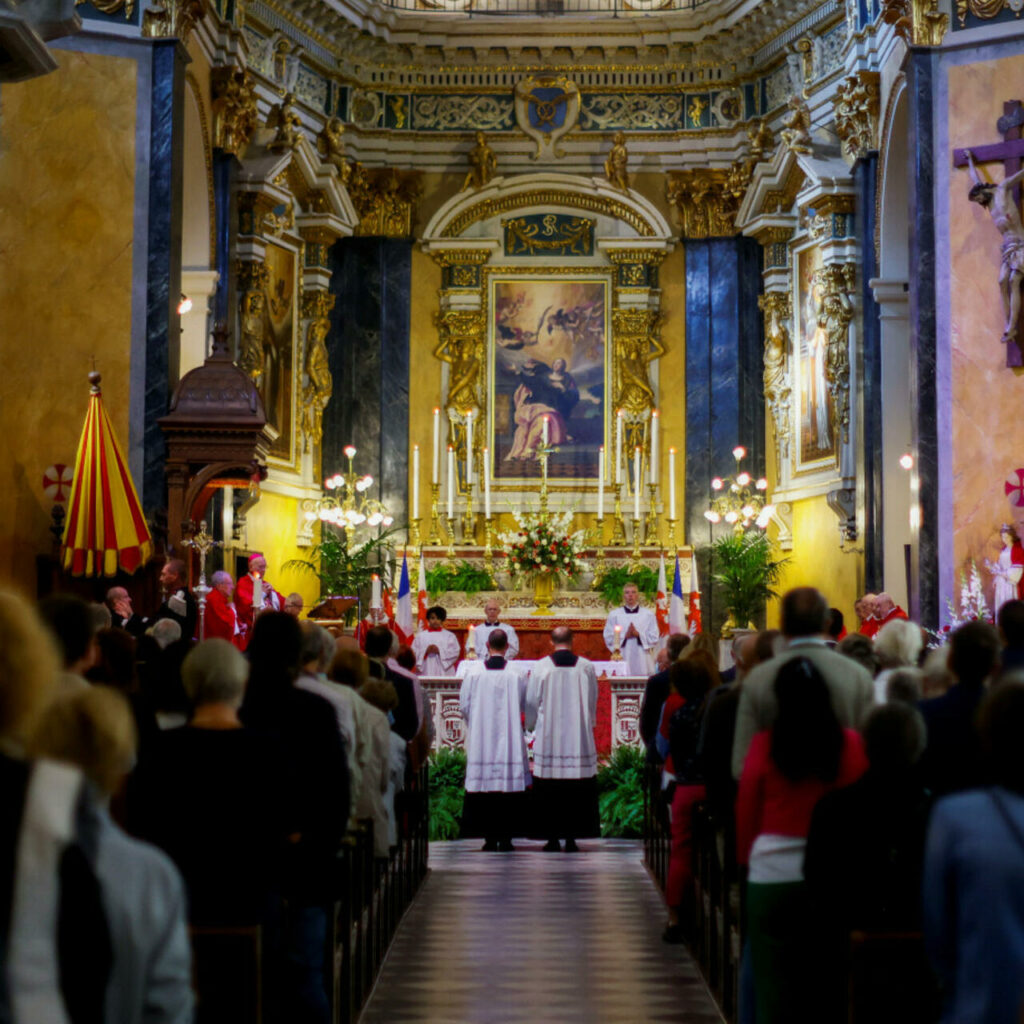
270, 527
67, 177
987, 397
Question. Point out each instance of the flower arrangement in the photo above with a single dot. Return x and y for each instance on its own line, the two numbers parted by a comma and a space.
543, 545
973, 607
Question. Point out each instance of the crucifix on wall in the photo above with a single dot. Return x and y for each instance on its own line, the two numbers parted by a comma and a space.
1002, 200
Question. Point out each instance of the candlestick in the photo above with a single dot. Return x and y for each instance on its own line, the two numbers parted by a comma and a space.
414, 536
637, 485
486, 473
672, 484
600, 484
599, 567
544, 432
653, 468
415, 481
375, 592
451, 537
203, 542
451, 482
618, 527
617, 649
651, 523
435, 515
635, 564
618, 446
469, 446
488, 552
436, 475
672, 537
469, 518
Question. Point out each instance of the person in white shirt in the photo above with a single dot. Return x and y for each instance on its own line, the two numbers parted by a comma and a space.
561, 707
638, 635
436, 649
492, 611
492, 702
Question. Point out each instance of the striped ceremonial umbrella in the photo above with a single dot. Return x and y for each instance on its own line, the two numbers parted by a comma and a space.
105, 526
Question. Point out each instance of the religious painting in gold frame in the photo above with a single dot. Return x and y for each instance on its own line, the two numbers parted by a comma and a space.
277, 386
548, 356
815, 432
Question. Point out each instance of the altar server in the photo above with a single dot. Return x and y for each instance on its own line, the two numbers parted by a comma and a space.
436, 649
492, 611
561, 706
638, 633
492, 702
220, 618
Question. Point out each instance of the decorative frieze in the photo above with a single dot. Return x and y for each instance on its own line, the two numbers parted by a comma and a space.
385, 200
705, 200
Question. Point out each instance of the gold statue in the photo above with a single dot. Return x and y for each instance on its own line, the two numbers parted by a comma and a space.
760, 137
461, 345
318, 391
250, 357
482, 164
331, 147
615, 164
777, 388
796, 131
286, 121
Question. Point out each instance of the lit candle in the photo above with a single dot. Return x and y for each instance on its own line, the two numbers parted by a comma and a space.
618, 447
618, 637
415, 481
257, 592
600, 482
671, 483
487, 485
544, 432
436, 476
451, 482
654, 447
469, 447
636, 482
375, 592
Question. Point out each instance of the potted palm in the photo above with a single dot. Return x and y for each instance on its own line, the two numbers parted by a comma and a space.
746, 573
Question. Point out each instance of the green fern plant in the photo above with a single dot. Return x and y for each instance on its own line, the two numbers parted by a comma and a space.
620, 787
446, 774
746, 572
610, 585
462, 576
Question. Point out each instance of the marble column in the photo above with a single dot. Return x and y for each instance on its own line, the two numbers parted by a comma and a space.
368, 347
724, 396
163, 265
222, 176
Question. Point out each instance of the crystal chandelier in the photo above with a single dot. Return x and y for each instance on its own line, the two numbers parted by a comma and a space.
346, 504
740, 500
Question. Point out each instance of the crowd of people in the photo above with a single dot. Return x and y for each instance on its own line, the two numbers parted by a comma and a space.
151, 782
860, 784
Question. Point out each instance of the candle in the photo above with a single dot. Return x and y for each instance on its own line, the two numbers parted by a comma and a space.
618, 447
654, 448
636, 482
618, 637
436, 475
451, 482
257, 592
375, 592
415, 481
544, 432
469, 447
600, 482
487, 484
671, 483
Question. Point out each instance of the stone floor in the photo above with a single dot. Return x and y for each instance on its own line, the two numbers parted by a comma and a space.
497, 938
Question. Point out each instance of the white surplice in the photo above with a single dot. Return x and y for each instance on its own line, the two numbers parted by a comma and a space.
483, 631
561, 707
492, 702
638, 654
442, 663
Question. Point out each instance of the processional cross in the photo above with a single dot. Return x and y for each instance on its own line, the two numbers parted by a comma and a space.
1010, 152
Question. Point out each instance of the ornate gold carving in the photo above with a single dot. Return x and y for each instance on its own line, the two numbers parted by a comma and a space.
385, 200
286, 122
551, 197
574, 237
834, 312
461, 344
319, 385
637, 345
856, 105
234, 109
706, 201
761, 141
111, 6
277, 223
171, 19
778, 391
451, 257
330, 144
695, 111
917, 22
796, 130
983, 8
615, 164
482, 164
252, 278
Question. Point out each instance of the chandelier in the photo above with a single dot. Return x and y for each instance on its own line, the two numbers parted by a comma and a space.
346, 504
740, 500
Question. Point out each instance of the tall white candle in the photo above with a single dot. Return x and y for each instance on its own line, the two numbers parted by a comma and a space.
436, 475
469, 446
671, 483
375, 592
451, 482
487, 484
636, 482
600, 482
654, 447
618, 447
415, 481
544, 432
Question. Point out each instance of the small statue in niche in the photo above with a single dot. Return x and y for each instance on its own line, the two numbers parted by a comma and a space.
330, 145
287, 124
796, 130
250, 358
482, 164
998, 199
615, 164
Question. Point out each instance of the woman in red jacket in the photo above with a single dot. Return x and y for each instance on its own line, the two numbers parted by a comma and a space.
788, 769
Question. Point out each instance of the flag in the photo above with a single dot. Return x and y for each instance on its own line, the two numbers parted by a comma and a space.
421, 597
661, 601
403, 615
676, 608
387, 607
694, 617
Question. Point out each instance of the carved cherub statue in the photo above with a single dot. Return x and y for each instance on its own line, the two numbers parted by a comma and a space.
615, 164
284, 119
482, 164
796, 132
330, 145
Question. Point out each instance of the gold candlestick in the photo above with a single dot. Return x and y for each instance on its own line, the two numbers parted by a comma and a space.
617, 649
672, 537
435, 516
414, 536
469, 518
599, 570
651, 525
544, 452
634, 562
618, 526
451, 537
488, 553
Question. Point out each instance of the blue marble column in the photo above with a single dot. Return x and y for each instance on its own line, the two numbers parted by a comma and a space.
163, 264
865, 176
222, 168
369, 358
924, 569
724, 393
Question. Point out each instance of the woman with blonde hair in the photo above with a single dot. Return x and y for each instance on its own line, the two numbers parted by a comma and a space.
29, 665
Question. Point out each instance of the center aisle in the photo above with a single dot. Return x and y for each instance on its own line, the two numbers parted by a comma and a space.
536, 937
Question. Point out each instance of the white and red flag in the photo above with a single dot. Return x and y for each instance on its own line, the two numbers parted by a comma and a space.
661, 601
694, 618
421, 596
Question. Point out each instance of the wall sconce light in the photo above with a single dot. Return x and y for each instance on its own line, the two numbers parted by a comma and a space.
185, 305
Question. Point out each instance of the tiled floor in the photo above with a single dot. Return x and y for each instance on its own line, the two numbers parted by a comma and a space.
538, 937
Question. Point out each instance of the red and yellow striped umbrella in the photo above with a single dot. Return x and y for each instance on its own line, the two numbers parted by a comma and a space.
105, 526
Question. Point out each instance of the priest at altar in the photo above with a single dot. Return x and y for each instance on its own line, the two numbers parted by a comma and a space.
638, 632
481, 633
436, 648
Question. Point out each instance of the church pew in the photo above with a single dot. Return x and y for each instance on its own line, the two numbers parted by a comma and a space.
889, 979
227, 973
